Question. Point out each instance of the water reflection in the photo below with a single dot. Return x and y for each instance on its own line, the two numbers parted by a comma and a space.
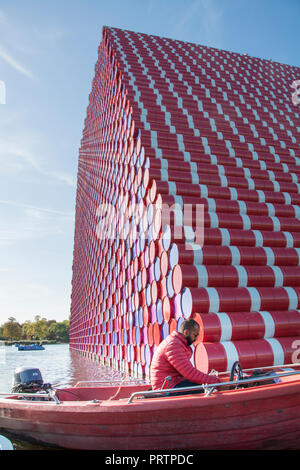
59, 365
82, 369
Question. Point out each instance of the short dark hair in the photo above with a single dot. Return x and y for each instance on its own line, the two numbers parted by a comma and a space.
189, 325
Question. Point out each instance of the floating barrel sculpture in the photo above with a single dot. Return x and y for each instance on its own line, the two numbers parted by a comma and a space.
187, 206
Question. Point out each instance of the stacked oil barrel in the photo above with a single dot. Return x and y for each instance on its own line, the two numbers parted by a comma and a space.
187, 206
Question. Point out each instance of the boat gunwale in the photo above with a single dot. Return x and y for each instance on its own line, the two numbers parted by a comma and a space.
208, 387
234, 395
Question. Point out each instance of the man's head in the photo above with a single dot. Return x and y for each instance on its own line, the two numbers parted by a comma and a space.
190, 330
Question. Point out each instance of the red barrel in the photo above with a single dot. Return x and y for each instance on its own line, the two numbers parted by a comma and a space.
166, 309
250, 353
150, 334
157, 333
208, 356
172, 325
236, 326
164, 263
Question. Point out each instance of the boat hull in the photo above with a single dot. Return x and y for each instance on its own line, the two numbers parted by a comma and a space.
266, 417
31, 348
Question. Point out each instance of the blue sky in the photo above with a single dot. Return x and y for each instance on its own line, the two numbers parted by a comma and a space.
48, 50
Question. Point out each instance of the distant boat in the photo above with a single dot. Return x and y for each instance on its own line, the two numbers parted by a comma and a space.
5, 444
30, 347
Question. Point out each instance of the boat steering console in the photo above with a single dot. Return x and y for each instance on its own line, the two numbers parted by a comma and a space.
238, 375
236, 372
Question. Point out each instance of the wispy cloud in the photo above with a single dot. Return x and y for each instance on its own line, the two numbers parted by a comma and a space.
50, 34
36, 210
61, 176
9, 31
208, 17
212, 22
190, 13
19, 151
41, 289
151, 6
7, 57
16, 146
28, 222
2, 17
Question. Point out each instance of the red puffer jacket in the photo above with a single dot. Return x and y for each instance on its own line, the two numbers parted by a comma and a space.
173, 358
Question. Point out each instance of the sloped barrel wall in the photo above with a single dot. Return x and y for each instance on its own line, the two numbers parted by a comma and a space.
176, 125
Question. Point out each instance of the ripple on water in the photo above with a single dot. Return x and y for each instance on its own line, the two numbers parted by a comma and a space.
58, 365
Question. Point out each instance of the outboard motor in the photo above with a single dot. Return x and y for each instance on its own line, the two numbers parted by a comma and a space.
28, 380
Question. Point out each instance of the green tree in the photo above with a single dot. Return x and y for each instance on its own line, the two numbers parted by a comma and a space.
40, 329
50, 332
12, 330
60, 331
27, 330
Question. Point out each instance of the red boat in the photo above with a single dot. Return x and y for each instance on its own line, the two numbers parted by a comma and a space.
248, 410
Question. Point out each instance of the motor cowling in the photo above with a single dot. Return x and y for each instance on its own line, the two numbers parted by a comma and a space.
28, 380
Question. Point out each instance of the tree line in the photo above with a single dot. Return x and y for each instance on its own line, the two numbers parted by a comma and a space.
40, 329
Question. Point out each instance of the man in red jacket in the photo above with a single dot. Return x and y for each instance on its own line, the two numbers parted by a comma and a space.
171, 361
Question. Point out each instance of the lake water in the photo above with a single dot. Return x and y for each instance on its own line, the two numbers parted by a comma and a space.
59, 366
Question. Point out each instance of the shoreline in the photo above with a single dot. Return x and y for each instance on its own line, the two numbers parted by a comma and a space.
28, 342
